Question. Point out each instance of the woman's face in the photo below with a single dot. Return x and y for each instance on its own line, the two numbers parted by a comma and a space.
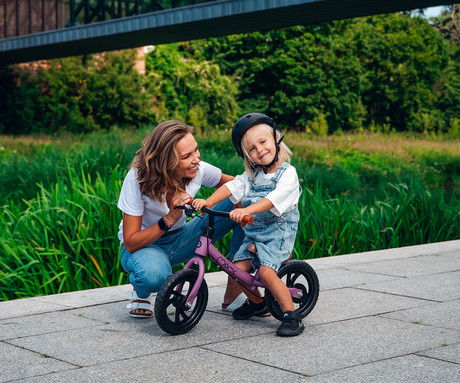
260, 145
189, 157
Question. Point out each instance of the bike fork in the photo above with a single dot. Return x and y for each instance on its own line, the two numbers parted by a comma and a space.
198, 261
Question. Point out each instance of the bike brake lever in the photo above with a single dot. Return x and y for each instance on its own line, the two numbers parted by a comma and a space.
188, 209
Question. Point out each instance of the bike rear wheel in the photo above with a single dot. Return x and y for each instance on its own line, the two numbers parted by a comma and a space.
300, 275
171, 313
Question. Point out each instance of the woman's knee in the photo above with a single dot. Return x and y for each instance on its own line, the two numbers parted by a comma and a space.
155, 279
150, 270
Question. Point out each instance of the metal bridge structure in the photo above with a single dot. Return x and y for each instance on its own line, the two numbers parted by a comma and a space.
43, 29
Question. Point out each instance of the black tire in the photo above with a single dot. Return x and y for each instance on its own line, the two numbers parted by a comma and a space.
170, 312
301, 275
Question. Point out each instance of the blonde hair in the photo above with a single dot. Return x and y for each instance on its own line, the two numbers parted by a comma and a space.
284, 154
157, 160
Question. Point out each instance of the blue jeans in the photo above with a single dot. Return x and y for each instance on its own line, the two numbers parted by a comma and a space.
149, 267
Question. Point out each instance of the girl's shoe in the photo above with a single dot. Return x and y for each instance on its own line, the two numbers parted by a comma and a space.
249, 309
291, 325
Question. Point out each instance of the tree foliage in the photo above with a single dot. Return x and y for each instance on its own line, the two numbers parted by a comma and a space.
394, 71
190, 90
379, 70
77, 94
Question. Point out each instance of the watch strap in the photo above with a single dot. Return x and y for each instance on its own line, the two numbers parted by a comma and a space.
163, 224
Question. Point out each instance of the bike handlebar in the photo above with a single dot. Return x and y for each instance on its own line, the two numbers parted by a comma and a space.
246, 219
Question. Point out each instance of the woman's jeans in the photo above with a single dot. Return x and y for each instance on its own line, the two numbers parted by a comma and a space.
149, 267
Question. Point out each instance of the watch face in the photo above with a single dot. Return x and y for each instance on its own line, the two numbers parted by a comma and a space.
163, 225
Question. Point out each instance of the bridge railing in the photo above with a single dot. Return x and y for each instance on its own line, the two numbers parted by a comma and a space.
22, 17
89, 11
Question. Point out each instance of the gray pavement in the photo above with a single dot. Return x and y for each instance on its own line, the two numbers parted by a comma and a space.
382, 316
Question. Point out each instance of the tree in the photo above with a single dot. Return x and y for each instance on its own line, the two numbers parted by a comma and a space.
374, 70
189, 90
448, 22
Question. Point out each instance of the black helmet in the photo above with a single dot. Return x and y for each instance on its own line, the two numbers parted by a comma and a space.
243, 125
248, 121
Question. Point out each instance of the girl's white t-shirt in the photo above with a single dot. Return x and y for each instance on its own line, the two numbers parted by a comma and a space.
132, 202
284, 197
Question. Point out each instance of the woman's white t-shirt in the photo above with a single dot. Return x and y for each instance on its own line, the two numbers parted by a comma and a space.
132, 202
284, 197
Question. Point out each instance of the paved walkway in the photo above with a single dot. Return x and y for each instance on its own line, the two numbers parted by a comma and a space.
383, 316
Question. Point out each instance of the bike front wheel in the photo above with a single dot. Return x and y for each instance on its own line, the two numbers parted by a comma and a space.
300, 275
171, 313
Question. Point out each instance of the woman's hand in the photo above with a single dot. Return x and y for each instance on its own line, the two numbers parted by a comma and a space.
238, 214
179, 199
198, 204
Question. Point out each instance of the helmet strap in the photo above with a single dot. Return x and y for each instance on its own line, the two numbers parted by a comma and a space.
278, 148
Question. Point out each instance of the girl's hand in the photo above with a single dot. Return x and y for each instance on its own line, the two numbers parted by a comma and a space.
238, 214
198, 204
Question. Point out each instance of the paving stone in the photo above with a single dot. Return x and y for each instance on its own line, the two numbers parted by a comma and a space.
448, 247
18, 364
370, 325
334, 278
218, 278
404, 369
42, 324
334, 346
444, 315
20, 307
448, 353
412, 266
190, 365
349, 303
437, 287
117, 341
89, 297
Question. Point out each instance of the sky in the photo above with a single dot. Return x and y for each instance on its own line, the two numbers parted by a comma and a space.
433, 11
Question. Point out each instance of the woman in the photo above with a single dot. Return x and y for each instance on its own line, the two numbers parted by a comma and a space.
167, 171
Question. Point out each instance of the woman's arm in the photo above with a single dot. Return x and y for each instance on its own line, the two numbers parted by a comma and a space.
135, 239
223, 180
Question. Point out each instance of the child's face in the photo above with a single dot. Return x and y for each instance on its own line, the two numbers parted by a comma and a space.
260, 144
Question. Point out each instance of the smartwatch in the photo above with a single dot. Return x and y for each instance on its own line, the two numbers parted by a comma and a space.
163, 225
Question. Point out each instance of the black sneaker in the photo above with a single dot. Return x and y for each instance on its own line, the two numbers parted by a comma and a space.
249, 309
292, 324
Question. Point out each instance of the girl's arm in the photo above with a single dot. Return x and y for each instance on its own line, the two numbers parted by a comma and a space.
219, 195
263, 205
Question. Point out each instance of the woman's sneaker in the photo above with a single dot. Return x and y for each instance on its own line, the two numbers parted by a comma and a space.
249, 309
291, 325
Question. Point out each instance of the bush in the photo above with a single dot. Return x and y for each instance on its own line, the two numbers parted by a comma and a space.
76, 94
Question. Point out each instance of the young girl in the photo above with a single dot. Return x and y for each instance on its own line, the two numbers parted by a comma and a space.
269, 190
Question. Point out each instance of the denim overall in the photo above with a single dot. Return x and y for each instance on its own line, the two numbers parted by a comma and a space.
273, 236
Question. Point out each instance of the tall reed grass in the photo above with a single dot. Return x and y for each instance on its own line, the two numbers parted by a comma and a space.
64, 239
59, 222
409, 215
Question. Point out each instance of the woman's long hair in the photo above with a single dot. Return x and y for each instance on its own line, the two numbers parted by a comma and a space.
157, 160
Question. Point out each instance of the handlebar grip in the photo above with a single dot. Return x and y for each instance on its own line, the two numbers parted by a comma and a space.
248, 219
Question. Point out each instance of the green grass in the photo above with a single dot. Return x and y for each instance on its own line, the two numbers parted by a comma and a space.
60, 221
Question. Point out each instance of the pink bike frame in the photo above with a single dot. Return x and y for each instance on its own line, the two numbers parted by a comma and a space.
205, 248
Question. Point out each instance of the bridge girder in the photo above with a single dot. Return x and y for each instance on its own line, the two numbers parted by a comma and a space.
210, 19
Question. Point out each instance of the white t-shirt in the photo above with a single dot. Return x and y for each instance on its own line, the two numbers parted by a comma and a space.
132, 202
284, 197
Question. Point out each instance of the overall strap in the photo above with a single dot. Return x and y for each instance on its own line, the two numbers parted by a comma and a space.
279, 172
